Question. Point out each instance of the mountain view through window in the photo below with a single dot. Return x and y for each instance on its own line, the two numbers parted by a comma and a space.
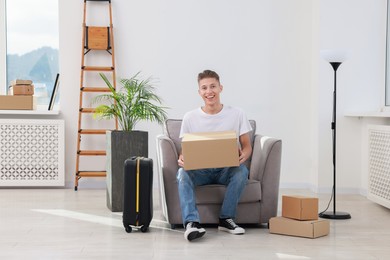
32, 44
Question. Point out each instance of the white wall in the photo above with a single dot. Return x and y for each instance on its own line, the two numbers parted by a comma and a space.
267, 54
359, 27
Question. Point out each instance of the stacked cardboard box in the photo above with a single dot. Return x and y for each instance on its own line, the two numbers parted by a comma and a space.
20, 96
299, 218
22, 87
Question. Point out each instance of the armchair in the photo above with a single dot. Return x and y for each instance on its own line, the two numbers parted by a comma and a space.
259, 201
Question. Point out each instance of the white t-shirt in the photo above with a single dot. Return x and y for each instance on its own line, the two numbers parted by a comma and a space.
228, 119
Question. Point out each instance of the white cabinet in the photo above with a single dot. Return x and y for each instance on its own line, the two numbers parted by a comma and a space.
32, 152
379, 164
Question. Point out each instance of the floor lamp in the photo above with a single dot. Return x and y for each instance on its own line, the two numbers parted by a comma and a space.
335, 58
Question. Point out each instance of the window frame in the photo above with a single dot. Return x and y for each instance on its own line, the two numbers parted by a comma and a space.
3, 48
387, 63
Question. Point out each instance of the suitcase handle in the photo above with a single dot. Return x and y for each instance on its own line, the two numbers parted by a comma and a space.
137, 191
135, 157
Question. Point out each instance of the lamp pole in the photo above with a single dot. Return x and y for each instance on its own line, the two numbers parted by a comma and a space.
334, 214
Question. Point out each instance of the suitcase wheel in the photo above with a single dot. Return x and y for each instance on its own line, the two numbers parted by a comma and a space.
144, 229
128, 229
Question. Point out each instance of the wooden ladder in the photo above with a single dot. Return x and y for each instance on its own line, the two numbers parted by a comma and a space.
94, 39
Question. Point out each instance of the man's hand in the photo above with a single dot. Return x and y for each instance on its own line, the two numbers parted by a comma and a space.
180, 161
246, 148
242, 156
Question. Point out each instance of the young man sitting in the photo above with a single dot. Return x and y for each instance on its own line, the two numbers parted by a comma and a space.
213, 116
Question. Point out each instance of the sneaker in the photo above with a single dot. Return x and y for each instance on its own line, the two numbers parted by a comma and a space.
193, 231
228, 225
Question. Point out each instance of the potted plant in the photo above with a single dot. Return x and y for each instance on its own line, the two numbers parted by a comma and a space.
134, 101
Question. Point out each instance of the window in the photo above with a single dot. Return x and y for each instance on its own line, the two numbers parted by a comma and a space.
30, 31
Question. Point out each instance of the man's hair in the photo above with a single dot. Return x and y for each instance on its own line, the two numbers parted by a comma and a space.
208, 74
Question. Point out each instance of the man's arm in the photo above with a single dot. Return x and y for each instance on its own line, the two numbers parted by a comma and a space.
246, 147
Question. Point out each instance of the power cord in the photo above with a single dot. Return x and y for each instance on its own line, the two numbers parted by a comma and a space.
331, 198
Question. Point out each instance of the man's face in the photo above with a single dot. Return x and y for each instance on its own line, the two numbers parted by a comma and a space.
209, 90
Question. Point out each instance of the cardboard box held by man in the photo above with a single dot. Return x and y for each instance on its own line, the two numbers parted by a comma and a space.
210, 150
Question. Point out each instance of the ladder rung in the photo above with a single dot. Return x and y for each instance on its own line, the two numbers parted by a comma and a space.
87, 110
95, 68
91, 173
94, 89
91, 152
93, 131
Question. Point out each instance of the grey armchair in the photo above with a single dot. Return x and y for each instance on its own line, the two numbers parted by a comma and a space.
259, 201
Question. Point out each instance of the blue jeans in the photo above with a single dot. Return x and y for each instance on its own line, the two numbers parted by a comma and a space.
235, 178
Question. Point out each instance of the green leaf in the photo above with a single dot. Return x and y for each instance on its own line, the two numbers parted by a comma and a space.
134, 101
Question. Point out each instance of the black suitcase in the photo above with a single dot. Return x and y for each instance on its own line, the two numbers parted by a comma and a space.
137, 191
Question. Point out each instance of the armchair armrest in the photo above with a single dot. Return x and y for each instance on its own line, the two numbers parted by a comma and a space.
167, 156
265, 167
266, 157
167, 168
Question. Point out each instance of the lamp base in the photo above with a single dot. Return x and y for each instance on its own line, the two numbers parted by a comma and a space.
334, 215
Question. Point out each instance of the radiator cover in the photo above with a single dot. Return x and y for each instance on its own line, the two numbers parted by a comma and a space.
379, 164
31, 152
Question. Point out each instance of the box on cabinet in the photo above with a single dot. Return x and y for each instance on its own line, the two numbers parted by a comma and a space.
24, 90
8, 102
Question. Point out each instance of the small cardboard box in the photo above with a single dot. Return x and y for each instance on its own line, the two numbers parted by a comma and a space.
24, 90
17, 102
210, 150
300, 207
300, 228
21, 82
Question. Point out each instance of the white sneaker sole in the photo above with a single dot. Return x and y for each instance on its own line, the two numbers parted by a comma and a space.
194, 233
236, 231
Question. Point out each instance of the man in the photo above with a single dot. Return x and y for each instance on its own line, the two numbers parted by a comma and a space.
213, 116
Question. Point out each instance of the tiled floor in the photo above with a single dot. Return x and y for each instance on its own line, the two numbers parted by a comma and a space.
64, 224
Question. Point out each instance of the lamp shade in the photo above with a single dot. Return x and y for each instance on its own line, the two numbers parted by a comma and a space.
334, 55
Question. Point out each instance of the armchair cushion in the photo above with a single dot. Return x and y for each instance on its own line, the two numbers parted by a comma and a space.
215, 193
172, 130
